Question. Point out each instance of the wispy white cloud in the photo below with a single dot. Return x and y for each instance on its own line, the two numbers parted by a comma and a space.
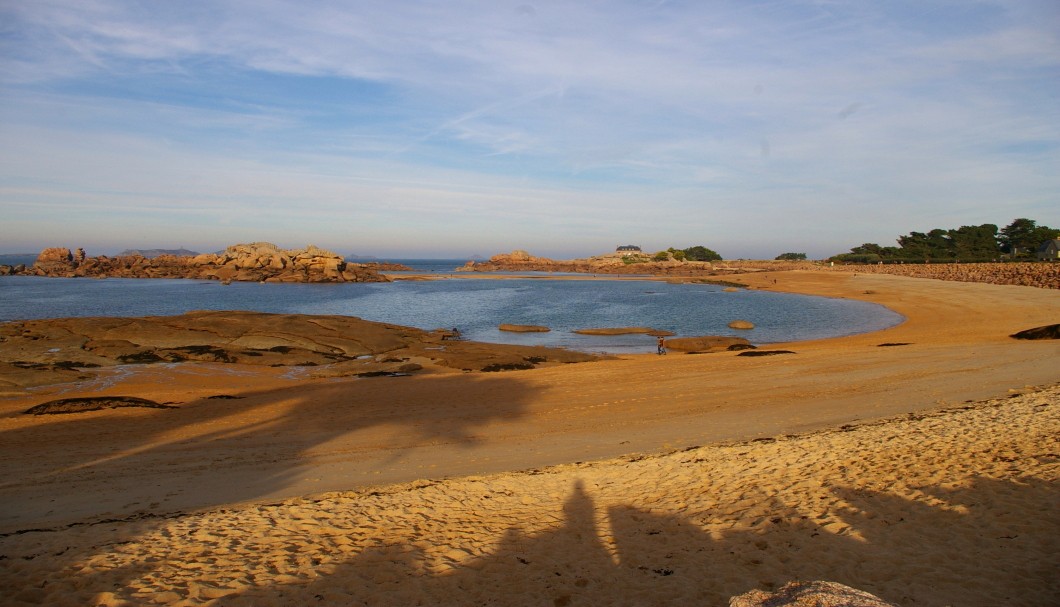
537, 120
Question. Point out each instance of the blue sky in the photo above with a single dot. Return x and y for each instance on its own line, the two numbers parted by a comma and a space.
564, 128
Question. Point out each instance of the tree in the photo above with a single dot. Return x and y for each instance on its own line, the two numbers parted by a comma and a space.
975, 242
791, 257
701, 253
662, 256
1023, 236
966, 243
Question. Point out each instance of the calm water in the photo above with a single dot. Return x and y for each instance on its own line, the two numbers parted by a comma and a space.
476, 307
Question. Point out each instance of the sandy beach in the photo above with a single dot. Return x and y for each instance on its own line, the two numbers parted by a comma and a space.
918, 463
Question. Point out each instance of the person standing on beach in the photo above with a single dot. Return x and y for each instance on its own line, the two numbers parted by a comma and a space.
661, 343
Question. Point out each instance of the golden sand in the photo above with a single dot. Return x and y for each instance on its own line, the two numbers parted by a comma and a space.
869, 469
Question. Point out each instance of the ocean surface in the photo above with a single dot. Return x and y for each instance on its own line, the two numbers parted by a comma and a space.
475, 307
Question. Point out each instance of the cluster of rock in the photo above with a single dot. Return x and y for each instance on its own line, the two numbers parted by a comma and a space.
40, 352
257, 262
1044, 275
809, 594
521, 261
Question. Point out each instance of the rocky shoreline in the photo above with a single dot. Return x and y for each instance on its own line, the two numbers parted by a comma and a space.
1031, 274
42, 352
253, 262
521, 261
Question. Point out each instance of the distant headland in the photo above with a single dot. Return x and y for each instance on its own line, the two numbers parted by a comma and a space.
627, 259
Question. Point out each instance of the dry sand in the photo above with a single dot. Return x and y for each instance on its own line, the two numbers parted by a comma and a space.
311, 492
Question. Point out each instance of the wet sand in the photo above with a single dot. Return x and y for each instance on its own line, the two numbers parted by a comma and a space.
398, 490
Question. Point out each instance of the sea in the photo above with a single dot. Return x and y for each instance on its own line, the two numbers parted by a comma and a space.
474, 307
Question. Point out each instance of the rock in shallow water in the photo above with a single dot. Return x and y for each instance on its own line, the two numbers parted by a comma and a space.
523, 328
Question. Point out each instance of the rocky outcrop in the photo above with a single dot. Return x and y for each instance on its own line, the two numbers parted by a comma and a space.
38, 352
1046, 332
743, 325
521, 261
258, 262
809, 594
386, 266
55, 260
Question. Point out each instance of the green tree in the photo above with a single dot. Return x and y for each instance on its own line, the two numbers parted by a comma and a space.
677, 254
662, 256
1023, 236
975, 242
856, 257
868, 248
915, 245
701, 253
791, 257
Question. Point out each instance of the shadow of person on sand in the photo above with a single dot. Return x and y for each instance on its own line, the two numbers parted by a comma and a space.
625, 555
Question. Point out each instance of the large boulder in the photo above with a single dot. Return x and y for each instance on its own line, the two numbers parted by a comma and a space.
809, 594
57, 261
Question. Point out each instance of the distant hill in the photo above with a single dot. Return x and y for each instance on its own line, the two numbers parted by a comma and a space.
152, 253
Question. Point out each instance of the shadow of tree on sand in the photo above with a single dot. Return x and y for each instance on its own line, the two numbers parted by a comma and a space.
242, 449
126, 470
960, 550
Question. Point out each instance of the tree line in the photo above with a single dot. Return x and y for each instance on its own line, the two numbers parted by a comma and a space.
695, 253
1019, 239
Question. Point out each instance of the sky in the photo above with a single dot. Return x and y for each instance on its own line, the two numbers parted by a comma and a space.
463, 128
